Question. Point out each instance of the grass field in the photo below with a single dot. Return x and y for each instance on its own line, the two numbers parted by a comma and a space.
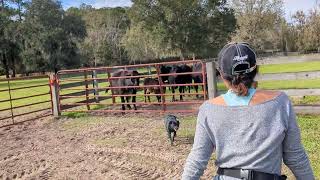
310, 133
292, 67
294, 84
306, 100
24, 93
284, 84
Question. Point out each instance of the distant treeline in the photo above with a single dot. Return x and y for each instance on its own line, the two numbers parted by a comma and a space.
40, 36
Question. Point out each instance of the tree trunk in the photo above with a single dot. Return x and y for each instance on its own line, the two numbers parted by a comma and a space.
120, 58
182, 54
13, 64
19, 9
5, 65
2, 3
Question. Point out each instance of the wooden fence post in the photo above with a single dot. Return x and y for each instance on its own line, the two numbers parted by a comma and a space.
55, 95
211, 79
95, 86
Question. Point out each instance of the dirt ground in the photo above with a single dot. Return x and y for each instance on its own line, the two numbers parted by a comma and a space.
92, 148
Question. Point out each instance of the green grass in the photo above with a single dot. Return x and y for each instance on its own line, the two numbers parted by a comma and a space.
310, 133
306, 100
284, 84
290, 84
292, 67
187, 128
24, 93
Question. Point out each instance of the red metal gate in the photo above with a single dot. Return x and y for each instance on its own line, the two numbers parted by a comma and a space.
83, 90
24, 99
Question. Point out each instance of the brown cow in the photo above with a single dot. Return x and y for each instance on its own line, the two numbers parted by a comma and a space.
155, 90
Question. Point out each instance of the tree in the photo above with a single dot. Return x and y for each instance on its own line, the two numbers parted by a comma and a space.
142, 45
307, 28
51, 37
188, 27
259, 23
10, 35
105, 28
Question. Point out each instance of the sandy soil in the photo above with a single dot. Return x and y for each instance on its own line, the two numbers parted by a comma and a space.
92, 148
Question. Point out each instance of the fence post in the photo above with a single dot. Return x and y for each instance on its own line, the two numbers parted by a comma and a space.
11, 108
55, 95
212, 79
95, 86
86, 86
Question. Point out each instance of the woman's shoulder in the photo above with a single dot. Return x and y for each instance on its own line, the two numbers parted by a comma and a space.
217, 101
262, 96
259, 97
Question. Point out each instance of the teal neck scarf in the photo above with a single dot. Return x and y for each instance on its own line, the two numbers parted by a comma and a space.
232, 99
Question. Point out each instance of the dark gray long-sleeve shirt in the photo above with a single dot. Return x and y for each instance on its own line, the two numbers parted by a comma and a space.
256, 137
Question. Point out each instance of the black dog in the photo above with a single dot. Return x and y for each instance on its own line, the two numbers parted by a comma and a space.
172, 126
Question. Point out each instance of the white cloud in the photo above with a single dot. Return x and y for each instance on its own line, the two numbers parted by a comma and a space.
112, 3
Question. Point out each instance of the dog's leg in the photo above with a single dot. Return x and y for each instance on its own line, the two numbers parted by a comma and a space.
170, 138
174, 135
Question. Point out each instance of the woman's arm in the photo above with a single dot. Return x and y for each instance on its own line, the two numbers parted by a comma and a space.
201, 151
294, 155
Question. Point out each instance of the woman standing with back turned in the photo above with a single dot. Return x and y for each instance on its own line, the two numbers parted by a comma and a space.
251, 130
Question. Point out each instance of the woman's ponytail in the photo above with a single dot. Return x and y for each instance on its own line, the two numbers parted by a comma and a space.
241, 83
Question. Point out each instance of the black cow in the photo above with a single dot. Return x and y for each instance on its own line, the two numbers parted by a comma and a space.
125, 82
198, 78
177, 79
165, 70
184, 79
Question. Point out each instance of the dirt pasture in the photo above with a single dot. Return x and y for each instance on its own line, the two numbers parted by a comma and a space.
92, 148
96, 147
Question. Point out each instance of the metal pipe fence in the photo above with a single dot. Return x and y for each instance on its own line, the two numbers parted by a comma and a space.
79, 88
26, 108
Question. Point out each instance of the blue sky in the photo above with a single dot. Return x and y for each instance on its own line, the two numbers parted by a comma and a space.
290, 5
96, 3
